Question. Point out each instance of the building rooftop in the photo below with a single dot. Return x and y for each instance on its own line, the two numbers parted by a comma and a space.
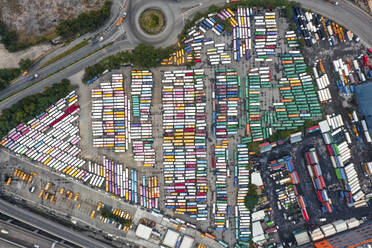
187, 242
351, 238
302, 237
171, 238
324, 127
143, 231
256, 179
363, 93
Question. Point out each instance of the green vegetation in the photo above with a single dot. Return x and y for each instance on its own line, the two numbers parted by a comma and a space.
11, 40
251, 199
30, 106
244, 3
64, 54
284, 134
144, 56
152, 21
7, 75
84, 23
254, 147
108, 214
24, 64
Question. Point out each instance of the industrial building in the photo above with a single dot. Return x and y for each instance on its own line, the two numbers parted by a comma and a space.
349, 239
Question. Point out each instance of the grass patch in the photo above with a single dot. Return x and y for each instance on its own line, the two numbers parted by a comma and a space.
64, 54
152, 21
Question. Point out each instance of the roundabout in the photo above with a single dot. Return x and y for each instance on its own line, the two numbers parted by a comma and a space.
151, 22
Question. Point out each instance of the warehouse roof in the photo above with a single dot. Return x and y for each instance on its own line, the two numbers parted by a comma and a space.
324, 127
187, 242
256, 178
363, 93
171, 238
257, 232
143, 231
302, 237
258, 215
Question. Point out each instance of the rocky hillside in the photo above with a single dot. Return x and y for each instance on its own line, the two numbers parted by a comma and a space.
33, 18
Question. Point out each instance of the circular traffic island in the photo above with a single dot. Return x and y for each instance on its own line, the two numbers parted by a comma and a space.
152, 21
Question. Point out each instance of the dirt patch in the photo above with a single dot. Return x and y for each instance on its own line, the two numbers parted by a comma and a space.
33, 19
10, 60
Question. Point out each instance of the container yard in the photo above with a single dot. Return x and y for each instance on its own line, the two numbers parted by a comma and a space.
316, 175
290, 200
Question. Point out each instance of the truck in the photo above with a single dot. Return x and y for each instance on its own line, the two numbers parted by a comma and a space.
118, 23
332, 2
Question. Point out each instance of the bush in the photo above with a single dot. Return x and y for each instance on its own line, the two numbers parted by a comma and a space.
24, 64
254, 147
30, 106
10, 39
7, 75
85, 22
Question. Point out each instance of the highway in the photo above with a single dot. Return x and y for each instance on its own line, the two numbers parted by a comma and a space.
51, 227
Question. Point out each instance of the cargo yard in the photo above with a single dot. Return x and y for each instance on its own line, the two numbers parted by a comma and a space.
168, 156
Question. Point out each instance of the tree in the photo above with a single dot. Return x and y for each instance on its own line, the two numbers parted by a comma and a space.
251, 199
24, 64
85, 22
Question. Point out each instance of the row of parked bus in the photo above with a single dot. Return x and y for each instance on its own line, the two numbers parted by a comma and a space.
120, 180
220, 205
225, 99
241, 182
108, 115
256, 79
218, 54
266, 36
149, 192
140, 123
50, 138
184, 142
241, 31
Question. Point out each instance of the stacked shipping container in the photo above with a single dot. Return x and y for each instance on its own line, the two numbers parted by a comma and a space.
312, 162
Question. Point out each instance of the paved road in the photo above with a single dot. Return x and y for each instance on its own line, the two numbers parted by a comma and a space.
21, 237
345, 14
49, 226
